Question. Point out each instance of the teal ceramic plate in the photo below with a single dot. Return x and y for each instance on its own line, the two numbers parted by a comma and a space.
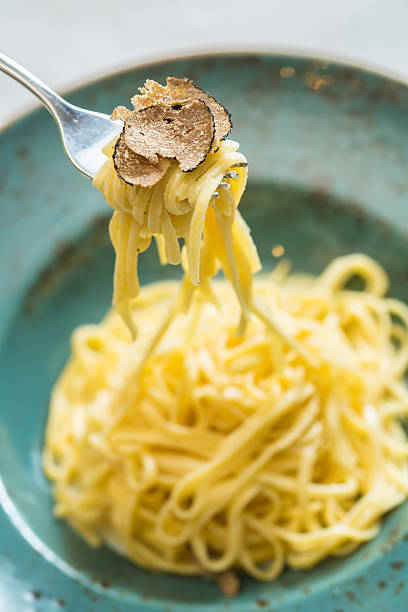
328, 152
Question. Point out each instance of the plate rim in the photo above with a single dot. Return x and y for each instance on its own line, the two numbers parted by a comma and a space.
272, 51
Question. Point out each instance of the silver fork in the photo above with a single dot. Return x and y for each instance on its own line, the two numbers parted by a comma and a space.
83, 132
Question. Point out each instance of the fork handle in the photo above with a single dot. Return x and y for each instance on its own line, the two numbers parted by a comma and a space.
54, 103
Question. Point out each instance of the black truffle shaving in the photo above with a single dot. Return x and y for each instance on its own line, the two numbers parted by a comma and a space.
184, 132
135, 169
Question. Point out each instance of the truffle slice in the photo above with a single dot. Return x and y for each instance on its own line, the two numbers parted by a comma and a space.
182, 91
184, 132
135, 169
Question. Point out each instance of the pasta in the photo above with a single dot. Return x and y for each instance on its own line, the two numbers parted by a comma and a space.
180, 205
223, 451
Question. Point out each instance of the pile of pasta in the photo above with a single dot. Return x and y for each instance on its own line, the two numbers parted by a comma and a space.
235, 451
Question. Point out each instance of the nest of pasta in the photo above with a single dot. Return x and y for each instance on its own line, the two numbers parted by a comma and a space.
230, 453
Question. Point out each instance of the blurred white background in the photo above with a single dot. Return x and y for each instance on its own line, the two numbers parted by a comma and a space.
68, 41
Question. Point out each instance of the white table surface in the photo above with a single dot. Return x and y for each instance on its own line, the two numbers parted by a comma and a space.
69, 41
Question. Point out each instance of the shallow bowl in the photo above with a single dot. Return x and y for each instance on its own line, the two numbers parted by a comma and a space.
327, 146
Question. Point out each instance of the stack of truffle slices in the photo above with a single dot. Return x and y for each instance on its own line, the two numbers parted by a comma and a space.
176, 121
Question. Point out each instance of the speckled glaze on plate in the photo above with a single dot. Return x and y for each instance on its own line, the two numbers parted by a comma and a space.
328, 159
